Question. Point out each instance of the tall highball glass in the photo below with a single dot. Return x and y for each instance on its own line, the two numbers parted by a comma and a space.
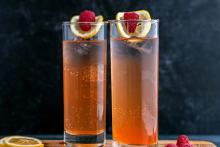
84, 86
134, 75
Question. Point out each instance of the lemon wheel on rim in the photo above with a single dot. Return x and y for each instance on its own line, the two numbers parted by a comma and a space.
96, 26
142, 28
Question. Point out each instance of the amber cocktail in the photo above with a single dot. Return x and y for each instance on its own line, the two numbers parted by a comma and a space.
134, 74
84, 84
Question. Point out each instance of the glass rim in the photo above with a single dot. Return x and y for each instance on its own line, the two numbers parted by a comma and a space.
92, 23
111, 21
152, 21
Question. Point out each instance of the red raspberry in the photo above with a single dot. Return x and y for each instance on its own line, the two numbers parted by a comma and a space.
170, 145
86, 16
182, 139
131, 25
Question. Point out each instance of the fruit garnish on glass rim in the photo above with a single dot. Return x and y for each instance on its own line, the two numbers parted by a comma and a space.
131, 21
86, 25
133, 24
86, 16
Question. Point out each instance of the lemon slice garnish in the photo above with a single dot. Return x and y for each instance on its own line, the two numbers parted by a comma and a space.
2, 142
142, 28
22, 141
74, 26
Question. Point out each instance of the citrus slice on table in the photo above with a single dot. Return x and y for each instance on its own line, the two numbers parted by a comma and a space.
2, 142
87, 28
22, 141
140, 29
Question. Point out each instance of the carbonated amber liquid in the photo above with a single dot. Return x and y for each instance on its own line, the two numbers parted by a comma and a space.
134, 73
84, 68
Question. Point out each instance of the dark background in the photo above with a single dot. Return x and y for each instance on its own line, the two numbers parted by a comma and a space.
30, 63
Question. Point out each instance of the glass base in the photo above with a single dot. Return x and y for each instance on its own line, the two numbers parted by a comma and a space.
84, 140
117, 144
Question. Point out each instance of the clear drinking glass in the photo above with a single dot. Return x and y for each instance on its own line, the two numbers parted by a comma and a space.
84, 85
134, 74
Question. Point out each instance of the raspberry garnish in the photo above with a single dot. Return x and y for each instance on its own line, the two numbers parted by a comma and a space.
86, 16
170, 145
131, 25
182, 140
